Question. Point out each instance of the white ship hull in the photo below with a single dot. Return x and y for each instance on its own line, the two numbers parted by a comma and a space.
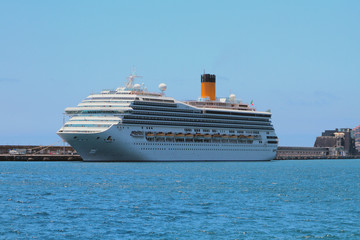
132, 124
124, 147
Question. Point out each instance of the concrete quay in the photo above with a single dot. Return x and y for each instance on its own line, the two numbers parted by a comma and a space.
39, 157
315, 157
64, 158
38, 153
308, 153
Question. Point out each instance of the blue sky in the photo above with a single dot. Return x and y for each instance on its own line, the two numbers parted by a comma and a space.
301, 59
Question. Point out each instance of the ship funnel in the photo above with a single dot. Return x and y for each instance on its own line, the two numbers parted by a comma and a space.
208, 86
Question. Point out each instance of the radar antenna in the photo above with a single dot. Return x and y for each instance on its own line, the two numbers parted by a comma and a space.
130, 83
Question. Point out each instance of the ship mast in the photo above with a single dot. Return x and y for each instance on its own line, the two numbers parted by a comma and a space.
130, 83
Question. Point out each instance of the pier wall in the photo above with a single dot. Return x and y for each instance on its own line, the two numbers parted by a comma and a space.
38, 153
39, 157
36, 149
294, 153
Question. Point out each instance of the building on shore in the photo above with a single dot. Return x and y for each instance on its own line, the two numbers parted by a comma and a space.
340, 142
356, 135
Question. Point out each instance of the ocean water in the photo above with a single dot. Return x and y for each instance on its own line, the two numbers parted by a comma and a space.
317, 199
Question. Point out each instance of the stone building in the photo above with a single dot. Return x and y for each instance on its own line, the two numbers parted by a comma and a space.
339, 141
356, 136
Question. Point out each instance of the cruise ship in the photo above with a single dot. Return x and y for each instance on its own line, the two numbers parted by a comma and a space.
133, 124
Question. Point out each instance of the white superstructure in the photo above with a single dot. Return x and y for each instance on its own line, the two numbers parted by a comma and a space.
132, 124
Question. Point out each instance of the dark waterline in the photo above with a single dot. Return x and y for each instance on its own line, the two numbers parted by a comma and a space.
232, 200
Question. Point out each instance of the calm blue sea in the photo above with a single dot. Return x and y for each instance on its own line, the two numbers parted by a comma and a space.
318, 199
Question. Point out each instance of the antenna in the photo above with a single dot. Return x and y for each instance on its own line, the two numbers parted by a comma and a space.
130, 83
63, 139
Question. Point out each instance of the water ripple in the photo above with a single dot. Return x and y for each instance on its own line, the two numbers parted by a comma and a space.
275, 200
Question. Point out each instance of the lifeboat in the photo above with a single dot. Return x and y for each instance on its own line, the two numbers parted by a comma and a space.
160, 134
150, 134
208, 136
199, 135
242, 136
250, 137
189, 135
233, 137
169, 134
224, 136
137, 134
180, 135
216, 136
